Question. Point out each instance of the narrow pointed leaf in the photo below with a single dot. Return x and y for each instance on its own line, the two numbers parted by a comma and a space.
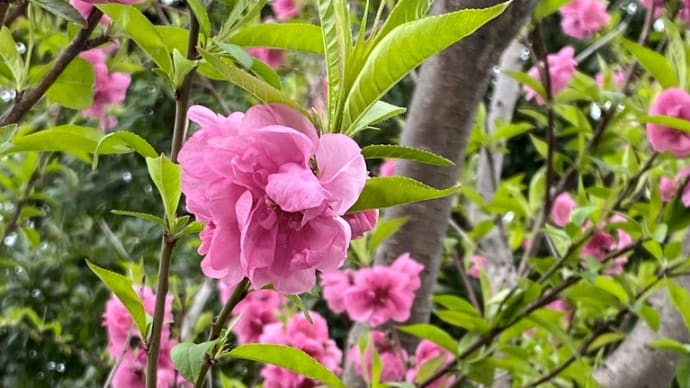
73, 139
199, 10
653, 62
144, 216
74, 88
667, 121
62, 9
402, 152
166, 176
382, 192
433, 334
386, 66
289, 36
125, 139
403, 12
289, 358
381, 111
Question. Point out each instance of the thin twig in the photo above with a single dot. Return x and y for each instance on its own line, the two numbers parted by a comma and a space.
30, 97
466, 281
121, 357
4, 6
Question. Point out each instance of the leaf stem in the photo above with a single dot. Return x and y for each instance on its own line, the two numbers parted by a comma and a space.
30, 97
218, 325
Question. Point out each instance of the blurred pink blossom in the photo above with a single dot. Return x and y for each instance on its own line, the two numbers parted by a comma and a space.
478, 264
427, 351
272, 194
601, 244
617, 79
287, 9
562, 206
388, 167
361, 222
256, 310
561, 69
393, 358
659, 6
335, 285
669, 187
673, 102
109, 88
582, 18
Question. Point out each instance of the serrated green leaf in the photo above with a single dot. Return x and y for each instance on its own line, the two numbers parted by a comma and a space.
266, 73
240, 55
547, 7
384, 67
126, 139
611, 286
681, 301
432, 333
10, 57
123, 290
181, 67
403, 12
667, 121
289, 358
380, 151
464, 320
188, 358
166, 176
671, 345
288, 36
653, 62
382, 192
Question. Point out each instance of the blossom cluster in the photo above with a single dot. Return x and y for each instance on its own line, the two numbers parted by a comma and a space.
125, 344
273, 196
374, 295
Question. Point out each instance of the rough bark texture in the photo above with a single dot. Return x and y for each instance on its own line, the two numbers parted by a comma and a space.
634, 364
440, 118
494, 246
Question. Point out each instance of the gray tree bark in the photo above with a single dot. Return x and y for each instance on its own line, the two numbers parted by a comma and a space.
450, 86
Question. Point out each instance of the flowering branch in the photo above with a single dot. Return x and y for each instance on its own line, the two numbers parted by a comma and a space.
168, 241
27, 99
220, 322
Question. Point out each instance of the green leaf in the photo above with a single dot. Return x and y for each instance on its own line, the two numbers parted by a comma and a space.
166, 176
403, 12
289, 36
653, 62
385, 66
651, 316
611, 286
683, 372
7, 132
122, 288
385, 229
255, 86
74, 88
337, 43
62, 9
547, 7
681, 301
605, 339
676, 215
144, 216
381, 192
240, 55
73, 139
10, 57
464, 320
140, 30
188, 358
181, 67
266, 73
288, 358
125, 139
528, 81
381, 111
671, 345
432, 333
199, 10
380, 151
667, 121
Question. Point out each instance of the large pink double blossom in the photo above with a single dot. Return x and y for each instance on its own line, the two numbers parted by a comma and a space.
272, 194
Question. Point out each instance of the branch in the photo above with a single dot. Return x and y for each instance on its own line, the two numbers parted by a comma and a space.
30, 97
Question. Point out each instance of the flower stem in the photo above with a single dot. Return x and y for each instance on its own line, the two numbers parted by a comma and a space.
220, 322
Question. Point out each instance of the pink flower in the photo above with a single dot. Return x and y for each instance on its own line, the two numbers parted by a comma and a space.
286, 9
119, 324
272, 194
335, 284
312, 338
131, 373
601, 244
362, 222
658, 5
582, 18
388, 167
684, 12
382, 293
673, 102
393, 358
272, 57
617, 79
669, 187
405, 264
109, 88
427, 351
561, 70
256, 310
563, 205
478, 264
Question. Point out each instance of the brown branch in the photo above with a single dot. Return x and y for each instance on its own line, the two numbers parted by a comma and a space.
30, 97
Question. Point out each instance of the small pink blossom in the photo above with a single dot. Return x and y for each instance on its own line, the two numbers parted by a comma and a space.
673, 102
388, 167
617, 79
382, 293
602, 243
312, 338
256, 310
562, 206
335, 285
272, 57
287, 9
109, 88
131, 373
393, 358
582, 18
669, 187
561, 70
427, 351
272, 194
405, 264
362, 222
478, 264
